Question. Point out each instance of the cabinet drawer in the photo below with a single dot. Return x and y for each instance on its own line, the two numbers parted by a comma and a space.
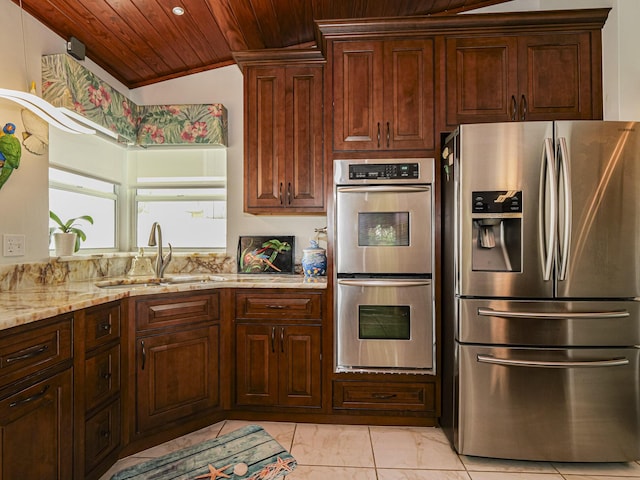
102, 324
102, 435
300, 305
177, 310
102, 376
32, 349
384, 396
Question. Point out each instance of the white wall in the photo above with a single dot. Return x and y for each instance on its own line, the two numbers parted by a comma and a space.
225, 85
24, 198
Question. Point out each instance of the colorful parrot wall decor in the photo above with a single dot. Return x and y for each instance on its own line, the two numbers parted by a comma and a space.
10, 152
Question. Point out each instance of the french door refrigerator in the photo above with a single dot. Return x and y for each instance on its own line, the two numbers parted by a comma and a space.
541, 323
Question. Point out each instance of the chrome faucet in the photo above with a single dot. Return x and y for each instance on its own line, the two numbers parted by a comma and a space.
155, 238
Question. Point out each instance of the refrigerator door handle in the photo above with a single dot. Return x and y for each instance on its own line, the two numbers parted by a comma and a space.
489, 312
547, 178
563, 162
512, 362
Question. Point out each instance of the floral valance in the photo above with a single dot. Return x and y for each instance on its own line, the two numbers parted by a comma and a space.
66, 83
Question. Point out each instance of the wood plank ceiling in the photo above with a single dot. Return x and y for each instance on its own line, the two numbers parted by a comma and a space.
141, 42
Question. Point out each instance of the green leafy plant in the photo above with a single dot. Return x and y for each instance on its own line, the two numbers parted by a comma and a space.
70, 226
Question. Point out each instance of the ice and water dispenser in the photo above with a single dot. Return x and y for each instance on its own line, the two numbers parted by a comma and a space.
497, 231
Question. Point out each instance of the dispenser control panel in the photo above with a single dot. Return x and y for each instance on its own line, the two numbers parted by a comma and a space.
383, 171
503, 201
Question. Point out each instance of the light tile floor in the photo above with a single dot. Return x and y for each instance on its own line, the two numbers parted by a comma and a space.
356, 452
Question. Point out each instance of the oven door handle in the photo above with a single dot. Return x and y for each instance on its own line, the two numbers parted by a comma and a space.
385, 189
488, 312
384, 283
614, 362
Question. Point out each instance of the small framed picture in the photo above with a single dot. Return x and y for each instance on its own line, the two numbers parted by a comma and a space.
266, 254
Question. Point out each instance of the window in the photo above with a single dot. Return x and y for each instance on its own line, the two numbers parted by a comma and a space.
73, 195
185, 192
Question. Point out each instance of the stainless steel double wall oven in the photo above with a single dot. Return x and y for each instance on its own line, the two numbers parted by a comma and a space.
384, 301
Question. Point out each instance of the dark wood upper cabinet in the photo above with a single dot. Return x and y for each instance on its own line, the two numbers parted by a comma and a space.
383, 95
283, 132
516, 78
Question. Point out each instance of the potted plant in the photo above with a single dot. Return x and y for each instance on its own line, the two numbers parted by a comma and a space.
67, 240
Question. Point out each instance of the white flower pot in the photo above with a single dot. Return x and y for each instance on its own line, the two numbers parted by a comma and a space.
64, 243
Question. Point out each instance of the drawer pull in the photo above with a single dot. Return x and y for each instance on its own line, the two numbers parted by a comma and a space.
33, 352
105, 326
276, 307
32, 398
106, 375
105, 433
384, 396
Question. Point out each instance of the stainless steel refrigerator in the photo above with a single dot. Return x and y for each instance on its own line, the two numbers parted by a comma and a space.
541, 276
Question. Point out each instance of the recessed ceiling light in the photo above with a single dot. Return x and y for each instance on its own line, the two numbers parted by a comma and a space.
178, 11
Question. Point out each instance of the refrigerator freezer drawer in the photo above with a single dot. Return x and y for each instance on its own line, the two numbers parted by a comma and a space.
573, 405
549, 323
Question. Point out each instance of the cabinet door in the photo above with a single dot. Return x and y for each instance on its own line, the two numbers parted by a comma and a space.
256, 365
304, 134
482, 79
357, 95
409, 110
555, 77
264, 137
36, 430
300, 366
177, 375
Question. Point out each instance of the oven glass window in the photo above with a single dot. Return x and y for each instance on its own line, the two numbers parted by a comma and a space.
383, 229
382, 322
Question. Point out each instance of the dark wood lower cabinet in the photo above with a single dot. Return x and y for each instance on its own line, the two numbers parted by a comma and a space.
278, 365
177, 376
36, 429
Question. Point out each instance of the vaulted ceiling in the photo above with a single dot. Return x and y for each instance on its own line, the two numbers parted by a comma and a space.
141, 42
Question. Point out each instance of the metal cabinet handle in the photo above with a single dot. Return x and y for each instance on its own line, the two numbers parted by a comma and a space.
29, 353
144, 354
489, 312
273, 339
383, 396
523, 107
388, 134
105, 433
289, 193
378, 134
514, 107
280, 193
614, 362
106, 375
32, 398
282, 339
105, 326
276, 307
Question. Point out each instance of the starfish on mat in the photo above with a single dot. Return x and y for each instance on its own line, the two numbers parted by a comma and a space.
215, 472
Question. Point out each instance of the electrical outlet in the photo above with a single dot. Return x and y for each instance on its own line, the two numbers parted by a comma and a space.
12, 245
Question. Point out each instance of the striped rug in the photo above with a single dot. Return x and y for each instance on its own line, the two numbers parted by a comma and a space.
265, 459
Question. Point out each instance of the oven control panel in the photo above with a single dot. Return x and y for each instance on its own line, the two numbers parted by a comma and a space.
383, 171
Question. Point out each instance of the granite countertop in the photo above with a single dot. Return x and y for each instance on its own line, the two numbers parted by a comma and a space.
22, 306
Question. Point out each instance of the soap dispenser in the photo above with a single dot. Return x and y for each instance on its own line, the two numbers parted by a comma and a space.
140, 266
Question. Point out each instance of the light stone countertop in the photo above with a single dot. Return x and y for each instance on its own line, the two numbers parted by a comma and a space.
23, 306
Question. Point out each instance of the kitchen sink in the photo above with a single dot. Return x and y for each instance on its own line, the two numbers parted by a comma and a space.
158, 282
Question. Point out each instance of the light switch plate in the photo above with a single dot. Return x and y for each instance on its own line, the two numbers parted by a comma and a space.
13, 245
